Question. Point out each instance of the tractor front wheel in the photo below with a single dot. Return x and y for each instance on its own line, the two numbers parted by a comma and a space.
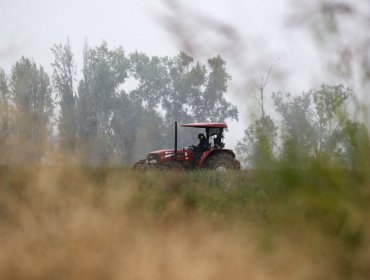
222, 162
140, 165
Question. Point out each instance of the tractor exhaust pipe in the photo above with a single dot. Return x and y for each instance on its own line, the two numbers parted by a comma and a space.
175, 140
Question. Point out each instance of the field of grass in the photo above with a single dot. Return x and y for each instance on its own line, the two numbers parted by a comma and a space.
115, 223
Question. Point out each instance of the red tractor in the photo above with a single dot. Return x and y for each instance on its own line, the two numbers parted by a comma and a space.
213, 157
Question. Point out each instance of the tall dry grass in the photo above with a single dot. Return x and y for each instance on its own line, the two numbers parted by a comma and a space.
85, 223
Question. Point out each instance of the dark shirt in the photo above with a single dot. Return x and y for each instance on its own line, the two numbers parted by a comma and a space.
203, 145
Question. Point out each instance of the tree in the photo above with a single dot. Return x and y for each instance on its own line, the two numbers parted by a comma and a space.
213, 105
104, 71
312, 123
259, 141
152, 77
4, 118
258, 144
330, 116
143, 114
183, 90
355, 145
197, 94
64, 72
31, 94
137, 130
298, 132
180, 89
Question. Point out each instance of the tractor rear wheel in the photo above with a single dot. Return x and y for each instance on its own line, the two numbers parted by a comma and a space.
222, 162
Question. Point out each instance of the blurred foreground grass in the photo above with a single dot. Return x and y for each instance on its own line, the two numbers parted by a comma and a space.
115, 223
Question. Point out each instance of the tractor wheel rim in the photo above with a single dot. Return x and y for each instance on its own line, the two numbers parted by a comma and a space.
221, 168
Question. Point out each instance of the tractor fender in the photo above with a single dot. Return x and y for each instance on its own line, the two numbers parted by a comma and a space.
211, 152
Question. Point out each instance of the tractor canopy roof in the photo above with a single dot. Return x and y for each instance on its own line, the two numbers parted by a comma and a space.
205, 125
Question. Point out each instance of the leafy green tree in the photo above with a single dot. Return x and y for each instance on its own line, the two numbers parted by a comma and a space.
257, 146
213, 105
330, 116
298, 131
180, 89
137, 130
150, 134
354, 145
152, 78
184, 88
104, 71
313, 122
31, 94
125, 124
197, 94
145, 112
4, 118
64, 72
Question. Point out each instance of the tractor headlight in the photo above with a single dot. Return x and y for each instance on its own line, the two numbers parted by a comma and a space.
151, 161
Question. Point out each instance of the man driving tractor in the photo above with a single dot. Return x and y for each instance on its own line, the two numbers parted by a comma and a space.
200, 156
202, 146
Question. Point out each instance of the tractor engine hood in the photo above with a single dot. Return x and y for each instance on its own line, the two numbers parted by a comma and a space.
163, 153
163, 156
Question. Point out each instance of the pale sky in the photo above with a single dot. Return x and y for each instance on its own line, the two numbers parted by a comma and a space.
31, 27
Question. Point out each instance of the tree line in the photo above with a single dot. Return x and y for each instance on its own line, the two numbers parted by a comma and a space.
121, 107
314, 126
